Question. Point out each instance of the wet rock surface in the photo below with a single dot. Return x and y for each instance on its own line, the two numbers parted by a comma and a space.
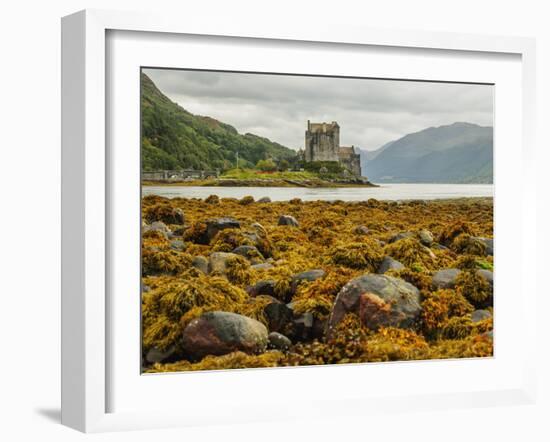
218, 333
378, 300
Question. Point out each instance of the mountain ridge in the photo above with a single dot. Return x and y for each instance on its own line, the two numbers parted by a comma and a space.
460, 152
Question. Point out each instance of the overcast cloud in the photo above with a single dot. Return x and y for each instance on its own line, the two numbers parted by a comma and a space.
370, 112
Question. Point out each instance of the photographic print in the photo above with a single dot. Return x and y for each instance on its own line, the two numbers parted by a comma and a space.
295, 220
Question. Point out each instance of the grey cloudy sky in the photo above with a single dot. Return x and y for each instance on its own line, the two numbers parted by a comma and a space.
370, 112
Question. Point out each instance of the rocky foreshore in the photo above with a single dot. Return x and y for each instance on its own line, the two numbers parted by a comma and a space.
230, 283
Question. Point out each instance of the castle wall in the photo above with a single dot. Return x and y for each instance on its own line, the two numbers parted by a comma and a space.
322, 143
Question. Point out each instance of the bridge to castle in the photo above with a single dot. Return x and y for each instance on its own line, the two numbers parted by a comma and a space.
177, 175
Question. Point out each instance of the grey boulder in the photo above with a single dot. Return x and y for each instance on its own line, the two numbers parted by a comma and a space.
378, 300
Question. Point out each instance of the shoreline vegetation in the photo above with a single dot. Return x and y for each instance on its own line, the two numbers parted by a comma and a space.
244, 283
256, 178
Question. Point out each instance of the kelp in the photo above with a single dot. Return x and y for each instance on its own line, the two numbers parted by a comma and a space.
410, 252
358, 255
474, 288
175, 292
157, 262
318, 297
233, 360
439, 307
164, 212
465, 243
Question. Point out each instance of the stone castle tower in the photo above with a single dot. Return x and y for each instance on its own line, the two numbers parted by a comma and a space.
323, 144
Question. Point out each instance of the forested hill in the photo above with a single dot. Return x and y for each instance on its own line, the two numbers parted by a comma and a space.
173, 138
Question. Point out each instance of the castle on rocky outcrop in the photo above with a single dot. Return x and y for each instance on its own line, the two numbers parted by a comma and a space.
323, 144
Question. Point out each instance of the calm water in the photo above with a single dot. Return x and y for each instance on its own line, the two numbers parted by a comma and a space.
384, 192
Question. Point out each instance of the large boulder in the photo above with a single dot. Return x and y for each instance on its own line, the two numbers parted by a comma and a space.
378, 300
288, 220
219, 333
214, 225
388, 263
445, 279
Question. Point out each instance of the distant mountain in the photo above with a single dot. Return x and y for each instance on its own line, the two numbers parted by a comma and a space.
369, 155
457, 153
173, 138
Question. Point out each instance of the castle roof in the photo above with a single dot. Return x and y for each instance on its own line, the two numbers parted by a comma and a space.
322, 127
346, 152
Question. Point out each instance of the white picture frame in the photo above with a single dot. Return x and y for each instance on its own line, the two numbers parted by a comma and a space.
86, 215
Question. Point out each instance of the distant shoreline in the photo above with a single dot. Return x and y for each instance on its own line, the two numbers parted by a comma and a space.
310, 183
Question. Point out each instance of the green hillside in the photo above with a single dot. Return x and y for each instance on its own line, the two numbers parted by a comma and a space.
173, 138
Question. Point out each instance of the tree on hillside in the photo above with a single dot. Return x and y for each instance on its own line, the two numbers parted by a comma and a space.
266, 165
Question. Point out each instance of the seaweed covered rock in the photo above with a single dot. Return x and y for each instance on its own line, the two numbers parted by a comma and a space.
401, 235
488, 244
251, 253
264, 287
445, 279
410, 252
218, 262
307, 276
288, 220
219, 333
476, 286
213, 226
264, 199
165, 213
378, 300
426, 237
200, 263
388, 263
367, 254
480, 315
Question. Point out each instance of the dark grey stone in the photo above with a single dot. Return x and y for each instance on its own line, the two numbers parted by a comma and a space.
265, 287
279, 341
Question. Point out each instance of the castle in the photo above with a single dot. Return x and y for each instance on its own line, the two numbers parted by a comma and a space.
323, 144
